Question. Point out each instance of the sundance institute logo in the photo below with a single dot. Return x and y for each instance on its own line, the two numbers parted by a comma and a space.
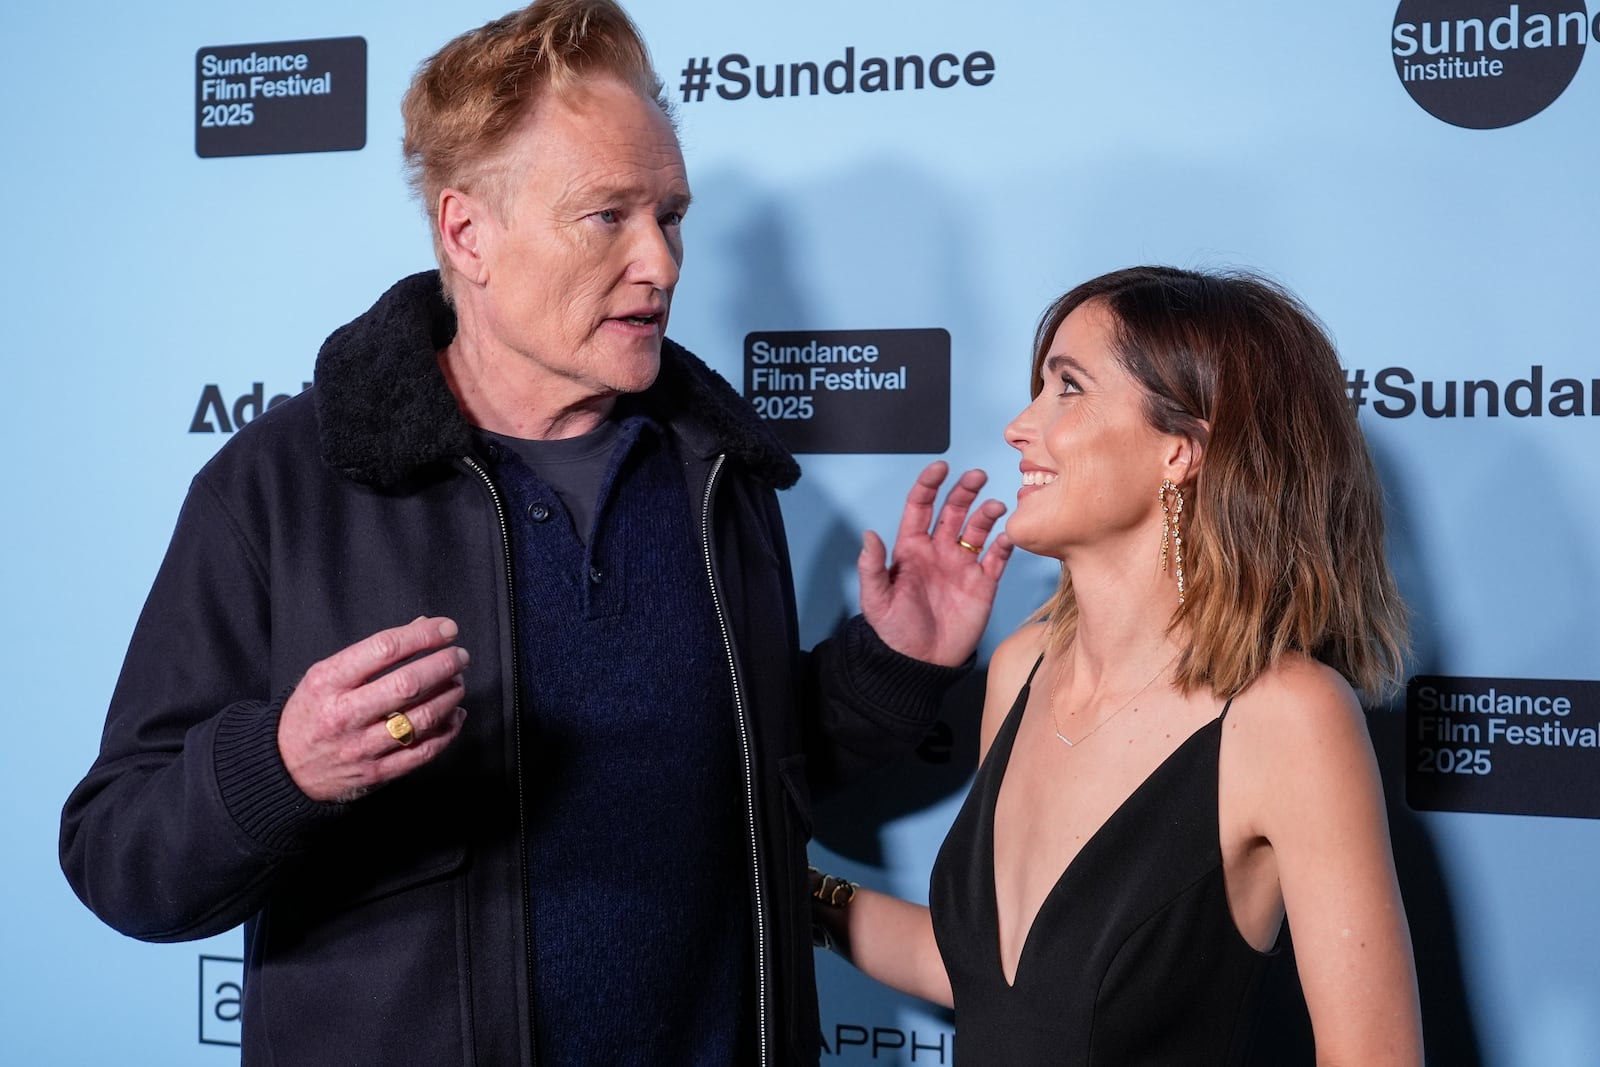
1483, 64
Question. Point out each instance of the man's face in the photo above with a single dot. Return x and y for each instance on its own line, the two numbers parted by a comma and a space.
580, 265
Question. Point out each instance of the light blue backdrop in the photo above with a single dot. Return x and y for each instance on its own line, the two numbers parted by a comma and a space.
1230, 133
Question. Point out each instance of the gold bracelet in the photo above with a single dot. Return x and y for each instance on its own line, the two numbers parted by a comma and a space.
831, 890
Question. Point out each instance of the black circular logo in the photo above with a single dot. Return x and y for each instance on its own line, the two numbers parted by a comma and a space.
1484, 65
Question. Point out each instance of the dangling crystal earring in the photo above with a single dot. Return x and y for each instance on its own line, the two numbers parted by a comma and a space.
1171, 513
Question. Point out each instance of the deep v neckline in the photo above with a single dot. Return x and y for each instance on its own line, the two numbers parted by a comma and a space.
1011, 729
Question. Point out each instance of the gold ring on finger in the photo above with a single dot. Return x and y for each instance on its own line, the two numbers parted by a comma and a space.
969, 546
400, 728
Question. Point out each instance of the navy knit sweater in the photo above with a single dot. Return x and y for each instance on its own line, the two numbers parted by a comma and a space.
637, 868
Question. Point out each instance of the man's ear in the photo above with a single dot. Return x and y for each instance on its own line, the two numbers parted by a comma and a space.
458, 217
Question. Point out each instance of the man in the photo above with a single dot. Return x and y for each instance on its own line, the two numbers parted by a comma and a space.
559, 816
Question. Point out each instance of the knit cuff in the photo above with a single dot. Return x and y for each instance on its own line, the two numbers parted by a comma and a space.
892, 681
255, 786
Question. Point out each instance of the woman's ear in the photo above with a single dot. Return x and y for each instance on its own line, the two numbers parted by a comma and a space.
1186, 455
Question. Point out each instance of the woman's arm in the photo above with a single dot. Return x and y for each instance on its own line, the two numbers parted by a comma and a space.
886, 938
1319, 804
890, 939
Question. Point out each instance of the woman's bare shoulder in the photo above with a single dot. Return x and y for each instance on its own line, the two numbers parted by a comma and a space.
1016, 655
1009, 667
1298, 731
1296, 700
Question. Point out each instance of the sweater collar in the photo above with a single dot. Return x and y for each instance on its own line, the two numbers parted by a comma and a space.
385, 412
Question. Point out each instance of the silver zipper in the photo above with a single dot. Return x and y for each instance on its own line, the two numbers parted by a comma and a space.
516, 744
748, 764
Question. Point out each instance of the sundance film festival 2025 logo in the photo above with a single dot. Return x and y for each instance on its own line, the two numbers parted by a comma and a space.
1481, 64
852, 390
1508, 746
281, 97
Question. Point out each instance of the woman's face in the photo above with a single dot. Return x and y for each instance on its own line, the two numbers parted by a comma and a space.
1091, 463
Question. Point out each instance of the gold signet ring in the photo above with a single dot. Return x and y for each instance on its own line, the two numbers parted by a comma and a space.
400, 728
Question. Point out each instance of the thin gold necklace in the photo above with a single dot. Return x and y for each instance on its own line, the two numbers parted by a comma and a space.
1056, 723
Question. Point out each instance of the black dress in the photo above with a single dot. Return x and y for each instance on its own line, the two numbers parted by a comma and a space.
1133, 957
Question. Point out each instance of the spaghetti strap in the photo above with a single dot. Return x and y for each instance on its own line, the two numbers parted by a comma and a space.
1035, 671
1225, 708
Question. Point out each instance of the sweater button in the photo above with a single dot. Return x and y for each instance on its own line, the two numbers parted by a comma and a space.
594, 575
538, 511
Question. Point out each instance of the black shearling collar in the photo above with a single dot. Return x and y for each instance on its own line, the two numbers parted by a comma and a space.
384, 410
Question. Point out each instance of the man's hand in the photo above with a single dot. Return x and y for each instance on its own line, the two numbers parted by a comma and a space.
333, 734
934, 602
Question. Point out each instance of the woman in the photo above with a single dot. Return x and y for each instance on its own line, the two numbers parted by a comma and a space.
1173, 757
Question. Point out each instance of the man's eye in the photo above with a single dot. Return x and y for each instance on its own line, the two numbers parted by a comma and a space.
608, 215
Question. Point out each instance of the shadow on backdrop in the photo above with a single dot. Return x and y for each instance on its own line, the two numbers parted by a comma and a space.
1449, 1034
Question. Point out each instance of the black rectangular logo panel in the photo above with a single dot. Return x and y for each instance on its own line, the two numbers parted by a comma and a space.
852, 390
281, 97
1510, 746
